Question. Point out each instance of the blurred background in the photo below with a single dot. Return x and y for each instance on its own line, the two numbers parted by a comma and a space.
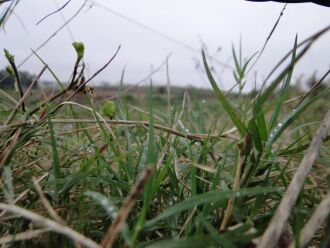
149, 31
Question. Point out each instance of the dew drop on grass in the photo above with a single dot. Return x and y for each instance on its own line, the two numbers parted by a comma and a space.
182, 127
90, 148
104, 202
275, 130
181, 124
68, 127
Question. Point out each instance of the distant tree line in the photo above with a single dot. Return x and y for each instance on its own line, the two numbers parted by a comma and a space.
7, 81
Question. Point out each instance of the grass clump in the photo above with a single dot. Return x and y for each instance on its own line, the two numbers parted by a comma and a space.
162, 173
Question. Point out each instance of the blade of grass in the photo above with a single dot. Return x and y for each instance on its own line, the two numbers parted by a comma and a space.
151, 162
205, 198
281, 127
280, 218
285, 89
222, 99
56, 165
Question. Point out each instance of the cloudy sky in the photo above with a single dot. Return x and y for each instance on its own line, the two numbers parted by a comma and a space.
150, 30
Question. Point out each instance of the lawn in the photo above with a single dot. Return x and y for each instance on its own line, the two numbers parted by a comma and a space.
163, 166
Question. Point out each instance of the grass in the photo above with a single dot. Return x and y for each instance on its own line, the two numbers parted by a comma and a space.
168, 170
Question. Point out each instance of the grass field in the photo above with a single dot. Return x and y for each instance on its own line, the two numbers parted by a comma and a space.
163, 167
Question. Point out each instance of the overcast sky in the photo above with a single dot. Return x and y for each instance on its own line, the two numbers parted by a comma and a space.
216, 23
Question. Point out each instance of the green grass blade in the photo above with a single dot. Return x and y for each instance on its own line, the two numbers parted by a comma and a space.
151, 161
257, 140
56, 161
284, 91
262, 98
291, 117
112, 210
214, 233
259, 116
8, 187
210, 197
222, 99
188, 242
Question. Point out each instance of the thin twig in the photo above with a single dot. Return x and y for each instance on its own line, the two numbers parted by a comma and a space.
58, 10
245, 149
314, 88
55, 227
26, 94
268, 38
320, 216
54, 34
156, 126
313, 38
8, 96
95, 74
24, 193
274, 230
63, 92
100, 117
228, 135
46, 203
8, 148
23, 236
123, 212
49, 207
188, 221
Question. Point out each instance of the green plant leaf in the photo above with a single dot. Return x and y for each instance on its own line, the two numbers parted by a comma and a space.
108, 109
9, 56
271, 88
210, 197
5, 113
257, 140
222, 99
56, 161
282, 126
285, 89
111, 210
187, 242
80, 49
8, 188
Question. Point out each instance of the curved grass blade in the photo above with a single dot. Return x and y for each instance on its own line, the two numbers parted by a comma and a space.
111, 210
224, 102
281, 127
210, 197
214, 233
260, 121
257, 139
188, 242
56, 161
285, 89
258, 109
262, 98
